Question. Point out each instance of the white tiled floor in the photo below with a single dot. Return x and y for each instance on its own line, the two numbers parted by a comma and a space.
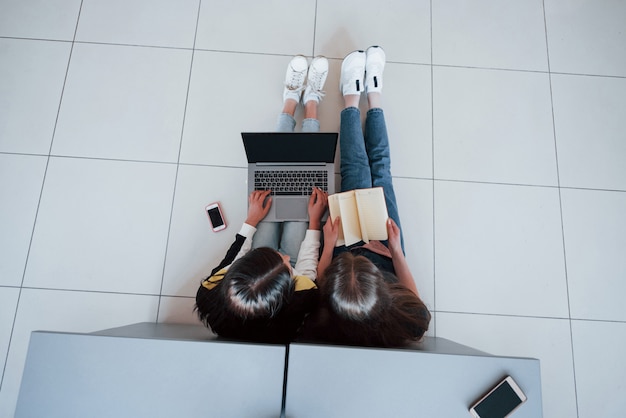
120, 120
123, 102
489, 34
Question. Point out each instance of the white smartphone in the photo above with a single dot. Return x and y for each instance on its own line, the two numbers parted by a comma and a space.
500, 401
216, 216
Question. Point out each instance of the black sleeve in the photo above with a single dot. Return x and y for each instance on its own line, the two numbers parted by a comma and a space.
231, 254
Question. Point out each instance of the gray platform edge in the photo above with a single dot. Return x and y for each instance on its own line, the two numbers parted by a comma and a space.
190, 332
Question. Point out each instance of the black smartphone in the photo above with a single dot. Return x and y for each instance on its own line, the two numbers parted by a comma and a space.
216, 217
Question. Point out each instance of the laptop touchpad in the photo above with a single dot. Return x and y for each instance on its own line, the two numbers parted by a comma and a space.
291, 208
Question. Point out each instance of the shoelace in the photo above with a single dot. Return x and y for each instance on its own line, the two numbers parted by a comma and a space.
317, 80
296, 90
297, 78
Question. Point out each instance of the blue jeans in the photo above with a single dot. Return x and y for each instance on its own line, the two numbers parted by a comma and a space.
285, 237
365, 158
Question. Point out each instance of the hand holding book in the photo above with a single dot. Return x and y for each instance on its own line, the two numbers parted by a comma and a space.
363, 214
393, 242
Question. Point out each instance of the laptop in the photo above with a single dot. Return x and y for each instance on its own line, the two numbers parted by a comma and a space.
290, 164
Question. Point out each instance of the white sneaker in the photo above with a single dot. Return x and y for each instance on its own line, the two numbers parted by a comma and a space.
352, 73
318, 71
294, 79
374, 66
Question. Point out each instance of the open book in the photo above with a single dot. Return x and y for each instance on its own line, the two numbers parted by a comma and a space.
363, 215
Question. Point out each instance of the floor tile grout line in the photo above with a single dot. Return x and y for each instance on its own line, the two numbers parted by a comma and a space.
271, 54
560, 318
314, 29
521, 70
112, 292
129, 45
407, 177
617, 77
41, 191
504, 315
432, 64
104, 292
432, 167
558, 178
605, 321
121, 160
444, 311
21, 38
439, 65
180, 147
494, 183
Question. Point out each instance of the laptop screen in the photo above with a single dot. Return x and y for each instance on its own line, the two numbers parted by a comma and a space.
290, 147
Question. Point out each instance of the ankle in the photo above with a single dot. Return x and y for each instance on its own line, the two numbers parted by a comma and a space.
351, 100
374, 100
289, 106
310, 109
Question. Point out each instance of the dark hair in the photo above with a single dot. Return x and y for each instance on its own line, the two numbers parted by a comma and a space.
253, 291
363, 306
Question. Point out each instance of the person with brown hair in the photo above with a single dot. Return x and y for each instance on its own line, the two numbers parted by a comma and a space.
367, 293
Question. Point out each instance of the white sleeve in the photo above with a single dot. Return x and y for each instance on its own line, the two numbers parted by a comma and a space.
248, 232
309, 254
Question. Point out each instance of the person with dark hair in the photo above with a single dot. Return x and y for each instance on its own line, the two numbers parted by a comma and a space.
367, 293
265, 286
255, 294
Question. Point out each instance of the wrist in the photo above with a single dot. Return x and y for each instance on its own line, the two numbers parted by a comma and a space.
328, 247
251, 222
315, 225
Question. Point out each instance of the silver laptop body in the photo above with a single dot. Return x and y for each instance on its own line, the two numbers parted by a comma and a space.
290, 164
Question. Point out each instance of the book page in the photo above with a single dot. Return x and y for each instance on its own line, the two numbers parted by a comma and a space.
349, 217
373, 214
334, 211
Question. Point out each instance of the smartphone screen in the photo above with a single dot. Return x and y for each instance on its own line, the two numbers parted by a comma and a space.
499, 403
215, 216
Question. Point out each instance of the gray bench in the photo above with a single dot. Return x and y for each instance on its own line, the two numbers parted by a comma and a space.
167, 370
438, 378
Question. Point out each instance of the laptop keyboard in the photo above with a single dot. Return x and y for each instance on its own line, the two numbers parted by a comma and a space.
290, 182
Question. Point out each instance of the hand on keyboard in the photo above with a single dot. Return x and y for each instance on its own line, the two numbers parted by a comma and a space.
258, 206
318, 202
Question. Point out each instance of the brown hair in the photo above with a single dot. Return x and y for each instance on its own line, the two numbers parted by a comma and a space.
363, 306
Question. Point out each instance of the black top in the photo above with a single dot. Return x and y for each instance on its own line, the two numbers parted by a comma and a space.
282, 328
